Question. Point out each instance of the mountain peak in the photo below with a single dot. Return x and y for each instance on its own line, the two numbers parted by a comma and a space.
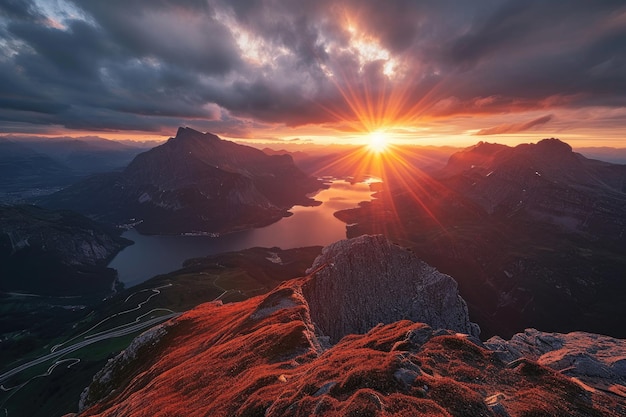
485, 148
553, 145
189, 133
195, 182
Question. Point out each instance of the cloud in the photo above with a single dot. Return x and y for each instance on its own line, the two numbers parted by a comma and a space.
514, 127
20, 10
240, 65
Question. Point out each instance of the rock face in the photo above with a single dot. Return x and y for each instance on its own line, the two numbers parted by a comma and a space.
598, 361
194, 182
55, 252
361, 282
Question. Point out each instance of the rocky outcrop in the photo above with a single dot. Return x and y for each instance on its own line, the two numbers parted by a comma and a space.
195, 182
596, 360
58, 252
358, 283
107, 379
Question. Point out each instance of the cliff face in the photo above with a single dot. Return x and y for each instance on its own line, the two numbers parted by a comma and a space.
193, 182
58, 252
365, 281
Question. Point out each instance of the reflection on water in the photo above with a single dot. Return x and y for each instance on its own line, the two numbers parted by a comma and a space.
308, 226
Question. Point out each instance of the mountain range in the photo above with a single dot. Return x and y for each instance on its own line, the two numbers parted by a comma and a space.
28, 163
193, 183
534, 234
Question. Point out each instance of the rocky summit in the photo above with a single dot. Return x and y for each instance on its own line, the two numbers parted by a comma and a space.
598, 362
358, 283
267, 356
195, 182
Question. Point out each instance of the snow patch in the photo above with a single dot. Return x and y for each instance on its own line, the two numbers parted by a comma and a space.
274, 258
144, 198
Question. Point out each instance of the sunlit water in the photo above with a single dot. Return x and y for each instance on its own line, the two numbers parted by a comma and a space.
308, 226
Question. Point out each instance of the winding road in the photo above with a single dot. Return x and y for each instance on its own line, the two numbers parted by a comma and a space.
88, 339
96, 338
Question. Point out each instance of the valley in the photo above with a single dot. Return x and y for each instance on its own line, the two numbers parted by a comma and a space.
511, 262
36, 166
302, 228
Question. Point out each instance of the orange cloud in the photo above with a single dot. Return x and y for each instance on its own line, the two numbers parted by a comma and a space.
514, 127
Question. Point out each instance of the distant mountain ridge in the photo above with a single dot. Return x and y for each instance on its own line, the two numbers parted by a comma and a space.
547, 180
195, 182
22, 168
39, 162
534, 234
604, 153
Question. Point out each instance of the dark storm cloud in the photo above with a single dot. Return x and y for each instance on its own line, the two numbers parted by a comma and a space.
20, 10
73, 52
536, 50
184, 33
156, 64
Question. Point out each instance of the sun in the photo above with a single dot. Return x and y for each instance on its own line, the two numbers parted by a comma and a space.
378, 141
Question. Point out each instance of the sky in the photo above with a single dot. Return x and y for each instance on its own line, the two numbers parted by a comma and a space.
445, 72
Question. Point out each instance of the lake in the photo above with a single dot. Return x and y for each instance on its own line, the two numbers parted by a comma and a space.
308, 226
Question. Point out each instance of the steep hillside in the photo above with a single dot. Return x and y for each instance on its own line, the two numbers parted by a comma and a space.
265, 357
546, 180
55, 252
194, 182
29, 325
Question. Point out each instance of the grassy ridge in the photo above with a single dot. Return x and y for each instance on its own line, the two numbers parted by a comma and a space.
229, 277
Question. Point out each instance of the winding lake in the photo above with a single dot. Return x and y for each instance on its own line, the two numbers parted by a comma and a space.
308, 226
